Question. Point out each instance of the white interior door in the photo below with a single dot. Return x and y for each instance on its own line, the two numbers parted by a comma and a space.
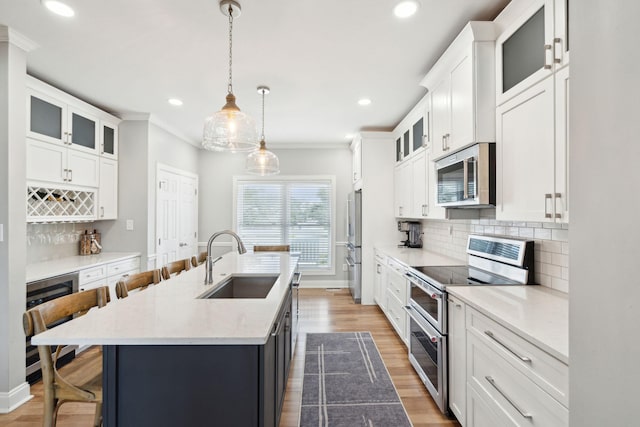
167, 217
188, 217
176, 215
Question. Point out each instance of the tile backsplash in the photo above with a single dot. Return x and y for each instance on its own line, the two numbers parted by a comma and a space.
52, 241
551, 243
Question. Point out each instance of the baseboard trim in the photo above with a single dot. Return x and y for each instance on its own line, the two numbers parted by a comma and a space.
323, 284
16, 397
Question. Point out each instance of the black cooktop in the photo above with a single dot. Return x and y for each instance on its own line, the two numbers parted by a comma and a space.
461, 275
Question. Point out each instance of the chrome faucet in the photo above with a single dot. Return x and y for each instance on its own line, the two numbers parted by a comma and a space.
210, 261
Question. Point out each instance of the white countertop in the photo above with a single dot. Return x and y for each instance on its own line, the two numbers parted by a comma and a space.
418, 257
170, 313
57, 267
538, 314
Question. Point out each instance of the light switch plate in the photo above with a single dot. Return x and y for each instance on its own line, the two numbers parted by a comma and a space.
129, 224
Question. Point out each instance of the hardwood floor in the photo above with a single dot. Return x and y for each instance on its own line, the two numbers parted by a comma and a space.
321, 310
324, 310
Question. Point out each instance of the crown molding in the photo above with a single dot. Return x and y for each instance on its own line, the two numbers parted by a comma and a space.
308, 145
148, 117
10, 35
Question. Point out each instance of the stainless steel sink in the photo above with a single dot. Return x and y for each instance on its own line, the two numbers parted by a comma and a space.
236, 286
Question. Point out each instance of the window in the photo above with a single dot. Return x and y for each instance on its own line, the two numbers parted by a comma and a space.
297, 211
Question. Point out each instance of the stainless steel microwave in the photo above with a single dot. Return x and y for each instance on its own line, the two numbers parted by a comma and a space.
467, 178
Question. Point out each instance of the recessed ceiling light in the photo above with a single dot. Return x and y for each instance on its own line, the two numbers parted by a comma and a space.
58, 8
364, 101
405, 9
175, 101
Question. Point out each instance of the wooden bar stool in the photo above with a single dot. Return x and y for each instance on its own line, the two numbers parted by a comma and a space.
137, 281
202, 257
175, 267
83, 385
271, 248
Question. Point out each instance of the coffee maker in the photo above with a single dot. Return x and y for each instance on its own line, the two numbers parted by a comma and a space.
414, 234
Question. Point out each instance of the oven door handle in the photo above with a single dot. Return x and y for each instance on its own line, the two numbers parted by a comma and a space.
428, 289
420, 322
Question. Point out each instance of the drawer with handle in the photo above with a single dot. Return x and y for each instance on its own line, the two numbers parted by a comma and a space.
123, 266
542, 368
515, 397
92, 274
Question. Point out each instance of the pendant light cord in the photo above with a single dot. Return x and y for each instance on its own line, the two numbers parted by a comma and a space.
262, 136
230, 87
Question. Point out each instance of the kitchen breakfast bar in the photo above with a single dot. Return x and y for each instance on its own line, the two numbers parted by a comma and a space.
181, 353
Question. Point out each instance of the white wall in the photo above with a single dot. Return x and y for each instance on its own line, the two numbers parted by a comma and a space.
133, 147
13, 389
216, 190
142, 145
604, 302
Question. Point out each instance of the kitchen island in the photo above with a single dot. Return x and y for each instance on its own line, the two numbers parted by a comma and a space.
173, 358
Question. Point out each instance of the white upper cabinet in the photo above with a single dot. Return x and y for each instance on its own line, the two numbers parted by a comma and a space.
52, 120
533, 47
108, 191
525, 155
532, 140
462, 87
109, 139
71, 147
49, 163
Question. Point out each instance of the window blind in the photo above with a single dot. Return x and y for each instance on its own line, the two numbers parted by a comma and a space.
297, 213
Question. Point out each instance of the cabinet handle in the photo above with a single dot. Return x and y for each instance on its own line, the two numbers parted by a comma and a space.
424, 207
523, 358
400, 211
102, 148
69, 138
557, 47
443, 147
101, 211
555, 205
70, 175
354, 176
547, 197
378, 270
547, 49
64, 174
508, 399
446, 137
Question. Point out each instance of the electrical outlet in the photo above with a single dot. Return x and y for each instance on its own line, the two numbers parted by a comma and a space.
344, 267
129, 225
450, 230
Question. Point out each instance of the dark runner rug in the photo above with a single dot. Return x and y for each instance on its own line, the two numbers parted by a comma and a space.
347, 384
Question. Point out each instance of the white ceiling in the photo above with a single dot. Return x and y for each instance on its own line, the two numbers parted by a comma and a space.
318, 58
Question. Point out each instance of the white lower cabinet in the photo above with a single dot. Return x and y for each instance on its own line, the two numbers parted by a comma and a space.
394, 296
107, 275
481, 413
380, 280
457, 358
510, 381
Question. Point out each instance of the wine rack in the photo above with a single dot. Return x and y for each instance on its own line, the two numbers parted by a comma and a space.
45, 204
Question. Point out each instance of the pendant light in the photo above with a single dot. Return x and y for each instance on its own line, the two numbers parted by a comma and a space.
262, 161
230, 129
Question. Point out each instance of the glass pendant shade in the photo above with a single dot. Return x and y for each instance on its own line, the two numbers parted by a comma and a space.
263, 162
230, 130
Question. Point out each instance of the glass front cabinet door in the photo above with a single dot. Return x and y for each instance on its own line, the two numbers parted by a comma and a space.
53, 121
532, 48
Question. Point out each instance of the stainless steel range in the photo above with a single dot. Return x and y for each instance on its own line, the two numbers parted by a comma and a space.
492, 261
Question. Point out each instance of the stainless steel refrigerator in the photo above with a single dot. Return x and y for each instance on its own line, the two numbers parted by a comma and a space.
354, 243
